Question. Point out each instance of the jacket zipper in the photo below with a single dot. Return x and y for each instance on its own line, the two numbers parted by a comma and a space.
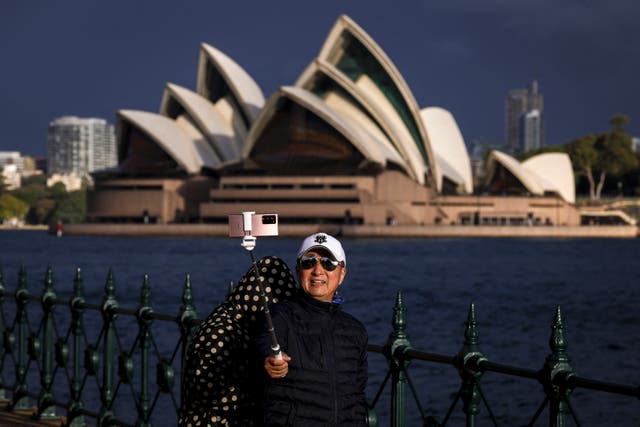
333, 372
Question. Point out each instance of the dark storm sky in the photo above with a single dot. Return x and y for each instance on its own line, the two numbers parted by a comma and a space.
90, 58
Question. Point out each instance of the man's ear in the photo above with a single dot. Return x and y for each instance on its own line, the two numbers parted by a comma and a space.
343, 273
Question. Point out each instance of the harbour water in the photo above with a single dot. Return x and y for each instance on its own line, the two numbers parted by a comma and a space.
515, 285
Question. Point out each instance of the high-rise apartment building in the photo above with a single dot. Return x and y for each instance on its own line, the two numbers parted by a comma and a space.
531, 127
524, 119
12, 158
80, 146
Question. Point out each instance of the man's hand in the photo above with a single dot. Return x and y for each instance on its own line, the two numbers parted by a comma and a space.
277, 368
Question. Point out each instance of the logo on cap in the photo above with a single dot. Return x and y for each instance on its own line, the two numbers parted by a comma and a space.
321, 238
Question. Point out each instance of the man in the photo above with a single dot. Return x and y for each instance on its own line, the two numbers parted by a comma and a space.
321, 376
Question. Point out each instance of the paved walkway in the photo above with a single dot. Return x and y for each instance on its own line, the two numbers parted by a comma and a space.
22, 418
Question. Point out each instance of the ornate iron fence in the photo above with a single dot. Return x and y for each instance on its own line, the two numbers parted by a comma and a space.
55, 359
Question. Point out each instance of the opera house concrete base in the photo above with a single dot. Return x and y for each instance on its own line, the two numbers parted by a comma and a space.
359, 231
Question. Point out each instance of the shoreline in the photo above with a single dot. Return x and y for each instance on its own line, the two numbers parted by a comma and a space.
24, 227
350, 231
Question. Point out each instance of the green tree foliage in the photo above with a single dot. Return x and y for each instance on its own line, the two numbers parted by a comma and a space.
12, 207
57, 191
30, 193
71, 207
42, 212
584, 158
601, 155
47, 205
34, 193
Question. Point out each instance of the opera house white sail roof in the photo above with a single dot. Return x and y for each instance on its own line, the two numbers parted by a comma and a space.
139, 130
221, 79
449, 149
555, 173
540, 174
341, 94
350, 112
351, 50
190, 109
327, 140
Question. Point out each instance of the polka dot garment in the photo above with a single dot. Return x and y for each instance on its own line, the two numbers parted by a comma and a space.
219, 387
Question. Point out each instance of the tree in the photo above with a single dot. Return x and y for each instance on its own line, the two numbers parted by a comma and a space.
42, 212
584, 158
57, 191
11, 207
30, 193
599, 155
615, 154
72, 207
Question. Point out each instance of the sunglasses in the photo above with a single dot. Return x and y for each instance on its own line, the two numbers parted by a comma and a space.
307, 262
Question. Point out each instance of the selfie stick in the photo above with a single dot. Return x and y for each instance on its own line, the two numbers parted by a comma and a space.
249, 243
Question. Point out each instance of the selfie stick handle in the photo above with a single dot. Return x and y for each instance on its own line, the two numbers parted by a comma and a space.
249, 243
275, 347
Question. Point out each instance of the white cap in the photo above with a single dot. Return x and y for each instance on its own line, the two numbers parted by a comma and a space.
324, 241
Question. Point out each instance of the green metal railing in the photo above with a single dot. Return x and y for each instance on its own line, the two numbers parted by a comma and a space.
557, 377
60, 360
74, 359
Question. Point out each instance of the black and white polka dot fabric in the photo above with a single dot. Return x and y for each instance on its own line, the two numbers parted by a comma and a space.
219, 385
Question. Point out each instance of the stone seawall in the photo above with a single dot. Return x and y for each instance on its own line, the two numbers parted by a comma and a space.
287, 230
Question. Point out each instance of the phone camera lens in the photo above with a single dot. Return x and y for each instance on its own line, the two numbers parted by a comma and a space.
269, 219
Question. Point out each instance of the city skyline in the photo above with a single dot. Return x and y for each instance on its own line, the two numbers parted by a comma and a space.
91, 60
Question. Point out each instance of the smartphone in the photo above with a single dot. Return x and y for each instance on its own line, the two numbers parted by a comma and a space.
261, 225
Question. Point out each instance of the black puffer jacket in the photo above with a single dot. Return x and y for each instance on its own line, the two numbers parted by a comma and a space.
328, 369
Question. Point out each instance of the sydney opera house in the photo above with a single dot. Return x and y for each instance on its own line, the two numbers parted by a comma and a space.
346, 143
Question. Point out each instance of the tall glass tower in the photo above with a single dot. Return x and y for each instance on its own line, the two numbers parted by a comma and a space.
524, 119
80, 146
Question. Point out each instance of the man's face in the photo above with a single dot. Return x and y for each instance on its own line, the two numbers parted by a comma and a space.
318, 282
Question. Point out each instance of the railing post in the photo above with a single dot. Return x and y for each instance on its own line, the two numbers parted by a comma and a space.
467, 361
3, 348
144, 322
20, 400
557, 366
185, 316
397, 343
74, 412
46, 409
109, 305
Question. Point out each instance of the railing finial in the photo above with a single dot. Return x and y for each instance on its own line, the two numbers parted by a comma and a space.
22, 278
471, 329
145, 292
557, 369
399, 320
78, 287
558, 341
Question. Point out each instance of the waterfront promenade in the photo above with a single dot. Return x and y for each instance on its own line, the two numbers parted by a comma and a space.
426, 231
515, 285
22, 418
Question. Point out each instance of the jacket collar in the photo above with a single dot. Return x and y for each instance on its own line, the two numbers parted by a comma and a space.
319, 305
